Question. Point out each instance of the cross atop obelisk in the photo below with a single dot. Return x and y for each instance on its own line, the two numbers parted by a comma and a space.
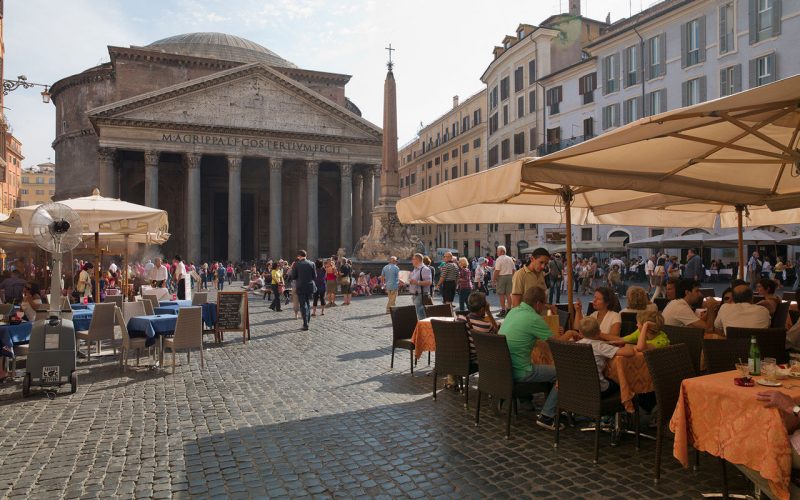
390, 64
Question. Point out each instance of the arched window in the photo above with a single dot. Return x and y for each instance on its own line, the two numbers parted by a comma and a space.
695, 230
620, 234
774, 229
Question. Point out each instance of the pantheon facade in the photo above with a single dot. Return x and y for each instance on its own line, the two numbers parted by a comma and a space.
250, 155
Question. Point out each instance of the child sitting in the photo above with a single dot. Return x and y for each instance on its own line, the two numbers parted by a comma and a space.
648, 334
603, 351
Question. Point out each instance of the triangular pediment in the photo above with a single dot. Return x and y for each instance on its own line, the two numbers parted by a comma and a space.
251, 97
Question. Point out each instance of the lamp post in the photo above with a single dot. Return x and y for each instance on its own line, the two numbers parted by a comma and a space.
3, 259
22, 81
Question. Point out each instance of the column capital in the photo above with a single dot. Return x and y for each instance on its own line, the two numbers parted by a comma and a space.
275, 164
151, 158
346, 169
192, 160
369, 171
234, 162
357, 176
376, 169
106, 154
312, 167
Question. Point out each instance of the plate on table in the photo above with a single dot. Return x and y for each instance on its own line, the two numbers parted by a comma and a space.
794, 374
767, 383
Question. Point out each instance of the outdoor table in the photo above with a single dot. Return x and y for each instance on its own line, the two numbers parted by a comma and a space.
181, 303
209, 312
423, 338
82, 318
632, 375
14, 334
166, 309
82, 307
716, 416
152, 326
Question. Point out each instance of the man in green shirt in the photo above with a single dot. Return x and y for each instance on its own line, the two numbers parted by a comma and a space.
522, 327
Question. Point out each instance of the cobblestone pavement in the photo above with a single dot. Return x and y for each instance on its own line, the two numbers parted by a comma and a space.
301, 414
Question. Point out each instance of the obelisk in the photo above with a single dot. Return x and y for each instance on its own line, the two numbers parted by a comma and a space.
387, 236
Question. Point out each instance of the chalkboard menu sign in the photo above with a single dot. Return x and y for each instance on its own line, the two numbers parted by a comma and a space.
232, 314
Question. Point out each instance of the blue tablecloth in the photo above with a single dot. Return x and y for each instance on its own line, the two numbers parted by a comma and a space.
14, 334
209, 312
151, 326
181, 303
82, 307
166, 309
82, 318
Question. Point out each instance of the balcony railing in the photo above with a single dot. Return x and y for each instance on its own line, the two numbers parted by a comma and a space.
552, 147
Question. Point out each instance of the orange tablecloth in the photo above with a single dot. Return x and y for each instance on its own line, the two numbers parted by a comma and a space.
423, 336
632, 375
725, 420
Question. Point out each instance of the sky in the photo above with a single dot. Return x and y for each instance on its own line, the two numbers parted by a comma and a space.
443, 46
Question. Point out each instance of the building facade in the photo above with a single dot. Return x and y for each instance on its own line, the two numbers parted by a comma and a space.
251, 156
10, 187
38, 184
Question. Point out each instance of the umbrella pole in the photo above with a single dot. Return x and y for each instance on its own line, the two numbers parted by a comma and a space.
125, 270
739, 210
97, 267
566, 197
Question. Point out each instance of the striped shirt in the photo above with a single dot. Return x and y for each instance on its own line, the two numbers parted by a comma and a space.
449, 272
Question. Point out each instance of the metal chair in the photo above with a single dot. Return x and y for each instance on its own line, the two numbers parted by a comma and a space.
771, 341
101, 328
188, 334
723, 354
579, 388
692, 337
404, 320
668, 367
199, 298
781, 315
128, 343
439, 311
497, 375
452, 354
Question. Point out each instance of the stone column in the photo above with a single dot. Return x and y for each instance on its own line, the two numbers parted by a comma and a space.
369, 200
151, 178
235, 208
312, 187
346, 225
105, 171
376, 184
275, 215
358, 207
192, 206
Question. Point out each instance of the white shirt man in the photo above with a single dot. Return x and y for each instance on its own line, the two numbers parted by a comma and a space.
158, 273
679, 311
113, 268
501, 278
742, 313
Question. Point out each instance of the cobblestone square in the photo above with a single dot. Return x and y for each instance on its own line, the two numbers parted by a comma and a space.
305, 414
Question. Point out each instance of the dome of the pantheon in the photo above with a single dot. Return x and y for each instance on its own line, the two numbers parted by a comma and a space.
220, 46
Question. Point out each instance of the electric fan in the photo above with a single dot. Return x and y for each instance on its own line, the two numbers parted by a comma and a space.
56, 228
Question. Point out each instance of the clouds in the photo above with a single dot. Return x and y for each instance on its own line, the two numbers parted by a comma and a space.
443, 46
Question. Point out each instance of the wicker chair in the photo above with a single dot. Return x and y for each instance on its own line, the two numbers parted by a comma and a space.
579, 388
199, 298
439, 311
148, 306
101, 328
5, 311
114, 299
628, 323
404, 320
128, 343
668, 367
781, 315
452, 354
188, 334
131, 309
722, 355
692, 337
496, 375
153, 298
707, 292
771, 341
661, 303
789, 296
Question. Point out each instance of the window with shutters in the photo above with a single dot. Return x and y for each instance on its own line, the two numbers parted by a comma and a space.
656, 56
476, 117
588, 128
730, 80
492, 156
610, 74
454, 153
519, 143
631, 61
465, 124
764, 16
413, 178
504, 89
693, 42
445, 157
586, 234
554, 138
454, 172
532, 101
518, 79
694, 91
476, 143
493, 124
554, 96
477, 164
586, 87
532, 139
437, 178
466, 167
464, 148
505, 114
492, 99
505, 149
520, 106
763, 70
631, 110
727, 27
656, 102
531, 71
611, 116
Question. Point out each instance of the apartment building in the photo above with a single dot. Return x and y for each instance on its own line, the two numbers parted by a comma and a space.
10, 182
38, 184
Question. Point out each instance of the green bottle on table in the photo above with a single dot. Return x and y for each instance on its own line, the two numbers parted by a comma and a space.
754, 360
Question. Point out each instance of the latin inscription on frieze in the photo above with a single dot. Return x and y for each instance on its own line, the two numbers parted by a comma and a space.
252, 143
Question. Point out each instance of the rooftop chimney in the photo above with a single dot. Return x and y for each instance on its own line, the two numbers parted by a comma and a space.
455, 101
575, 7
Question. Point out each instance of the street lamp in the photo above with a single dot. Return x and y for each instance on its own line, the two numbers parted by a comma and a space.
22, 81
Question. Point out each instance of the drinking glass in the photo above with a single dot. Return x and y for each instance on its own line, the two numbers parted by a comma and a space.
744, 370
769, 369
794, 367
